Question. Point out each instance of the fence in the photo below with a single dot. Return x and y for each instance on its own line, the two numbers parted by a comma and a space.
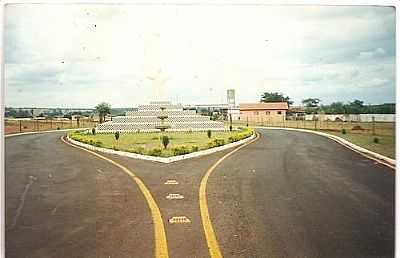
21, 126
372, 128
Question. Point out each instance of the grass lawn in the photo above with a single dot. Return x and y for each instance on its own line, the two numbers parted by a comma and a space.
144, 143
386, 145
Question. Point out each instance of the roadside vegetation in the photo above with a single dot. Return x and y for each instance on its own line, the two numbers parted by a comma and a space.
382, 144
163, 145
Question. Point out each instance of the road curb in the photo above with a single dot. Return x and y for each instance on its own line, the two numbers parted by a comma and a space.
367, 153
162, 159
49, 131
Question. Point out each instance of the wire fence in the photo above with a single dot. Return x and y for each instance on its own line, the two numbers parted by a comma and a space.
21, 126
371, 128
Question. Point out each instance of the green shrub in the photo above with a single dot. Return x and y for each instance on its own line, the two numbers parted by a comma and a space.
233, 138
344, 131
98, 143
155, 152
230, 128
216, 142
357, 127
94, 131
116, 135
376, 140
180, 150
137, 150
195, 148
58, 128
165, 141
209, 134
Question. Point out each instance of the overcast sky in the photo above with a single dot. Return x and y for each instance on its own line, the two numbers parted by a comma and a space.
80, 55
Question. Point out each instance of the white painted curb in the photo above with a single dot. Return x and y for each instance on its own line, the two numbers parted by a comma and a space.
162, 159
49, 131
367, 153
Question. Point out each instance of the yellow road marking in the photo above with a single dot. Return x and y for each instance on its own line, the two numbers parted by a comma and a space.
212, 242
159, 231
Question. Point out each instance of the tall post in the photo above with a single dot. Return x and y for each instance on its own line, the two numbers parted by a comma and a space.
230, 122
373, 125
20, 126
315, 123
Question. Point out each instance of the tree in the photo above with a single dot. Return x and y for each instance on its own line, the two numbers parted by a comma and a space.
275, 97
355, 107
311, 102
103, 109
116, 136
165, 141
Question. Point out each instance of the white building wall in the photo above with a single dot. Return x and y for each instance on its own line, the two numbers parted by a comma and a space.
353, 117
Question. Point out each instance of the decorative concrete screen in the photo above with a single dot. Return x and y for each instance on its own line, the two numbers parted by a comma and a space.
146, 119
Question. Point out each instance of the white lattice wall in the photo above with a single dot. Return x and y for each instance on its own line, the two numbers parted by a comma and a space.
145, 120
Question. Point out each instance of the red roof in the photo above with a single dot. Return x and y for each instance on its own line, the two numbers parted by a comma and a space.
264, 106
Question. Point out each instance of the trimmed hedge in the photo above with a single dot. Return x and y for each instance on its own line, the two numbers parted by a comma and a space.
177, 150
180, 150
155, 152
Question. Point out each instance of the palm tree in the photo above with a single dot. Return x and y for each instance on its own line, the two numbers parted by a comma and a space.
103, 109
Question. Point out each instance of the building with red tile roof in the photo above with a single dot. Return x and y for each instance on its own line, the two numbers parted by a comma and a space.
263, 112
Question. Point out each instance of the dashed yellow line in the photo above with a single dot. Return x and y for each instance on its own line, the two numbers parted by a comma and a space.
161, 247
212, 242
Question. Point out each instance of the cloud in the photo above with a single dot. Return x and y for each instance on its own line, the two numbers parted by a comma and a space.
82, 54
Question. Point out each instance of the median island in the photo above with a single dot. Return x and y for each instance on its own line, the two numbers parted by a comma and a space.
166, 144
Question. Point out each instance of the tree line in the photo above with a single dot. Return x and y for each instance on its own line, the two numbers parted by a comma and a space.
313, 105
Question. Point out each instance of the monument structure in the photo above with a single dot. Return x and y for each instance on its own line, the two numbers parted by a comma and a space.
160, 116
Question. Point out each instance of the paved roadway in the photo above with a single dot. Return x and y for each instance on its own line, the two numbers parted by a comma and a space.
289, 194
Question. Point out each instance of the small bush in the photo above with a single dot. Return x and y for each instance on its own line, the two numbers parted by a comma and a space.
216, 143
137, 150
165, 141
344, 131
58, 128
155, 152
232, 139
357, 127
195, 148
376, 140
180, 150
94, 131
209, 133
116, 135
230, 128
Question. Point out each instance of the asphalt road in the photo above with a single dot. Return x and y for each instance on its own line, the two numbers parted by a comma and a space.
289, 194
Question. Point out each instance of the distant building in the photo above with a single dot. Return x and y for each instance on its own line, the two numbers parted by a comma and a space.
263, 112
296, 113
